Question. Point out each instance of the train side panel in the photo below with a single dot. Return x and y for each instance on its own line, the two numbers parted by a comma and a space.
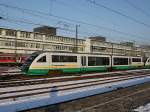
65, 62
136, 62
120, 63
97, 63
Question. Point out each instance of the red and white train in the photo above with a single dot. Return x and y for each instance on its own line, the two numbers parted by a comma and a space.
8, 59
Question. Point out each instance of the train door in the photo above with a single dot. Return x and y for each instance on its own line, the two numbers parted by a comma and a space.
18, 59
83, 63
130, 61
41, 64
147, 63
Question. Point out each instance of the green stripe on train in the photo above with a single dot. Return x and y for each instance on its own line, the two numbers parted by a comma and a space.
78, 70
147, 66
66, 70
126, 67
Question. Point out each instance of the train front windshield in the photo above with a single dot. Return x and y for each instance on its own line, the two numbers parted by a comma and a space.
28, 62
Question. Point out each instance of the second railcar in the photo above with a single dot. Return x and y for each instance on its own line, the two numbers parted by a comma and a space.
126, 62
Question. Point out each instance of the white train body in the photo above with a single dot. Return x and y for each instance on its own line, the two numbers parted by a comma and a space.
42, 63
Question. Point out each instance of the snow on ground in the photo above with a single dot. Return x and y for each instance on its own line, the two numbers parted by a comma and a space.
66, 95
52, 84
145, 108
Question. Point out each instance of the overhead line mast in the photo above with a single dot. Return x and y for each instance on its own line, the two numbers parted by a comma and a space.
76, 44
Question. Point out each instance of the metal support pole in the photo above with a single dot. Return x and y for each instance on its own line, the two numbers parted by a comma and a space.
16, 47
76, 40
42, 43
112, 51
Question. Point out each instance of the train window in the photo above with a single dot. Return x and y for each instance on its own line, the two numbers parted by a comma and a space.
11, 58
136, 59
120, 61
96, 61
2, 58
8, 58
55, 58
58, 58
42, 59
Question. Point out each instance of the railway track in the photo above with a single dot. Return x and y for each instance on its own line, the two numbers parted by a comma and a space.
11, 93
22, 82
115, 102
10, 73
15, 74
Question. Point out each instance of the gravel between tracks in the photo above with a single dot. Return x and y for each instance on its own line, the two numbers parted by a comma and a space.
123, 100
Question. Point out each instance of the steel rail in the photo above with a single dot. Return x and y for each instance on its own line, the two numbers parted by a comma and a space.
111, 78
69, 88
113, 100
47, 80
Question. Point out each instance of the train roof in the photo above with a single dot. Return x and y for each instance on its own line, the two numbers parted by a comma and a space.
40, 52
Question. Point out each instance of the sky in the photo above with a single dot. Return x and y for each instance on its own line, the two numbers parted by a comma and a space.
117, 20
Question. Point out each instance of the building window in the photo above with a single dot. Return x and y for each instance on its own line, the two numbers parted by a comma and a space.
38, 36
70, 48
32, 45
25, 34
47, 37
8, 43
11, 33
22, 34
21, 44
57, 47
38, 45
0, 31
81, 49
47, 46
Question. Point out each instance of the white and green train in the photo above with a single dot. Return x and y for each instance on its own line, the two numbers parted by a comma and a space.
44, 63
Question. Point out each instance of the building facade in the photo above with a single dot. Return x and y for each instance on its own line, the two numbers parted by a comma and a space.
24, 42
16, 41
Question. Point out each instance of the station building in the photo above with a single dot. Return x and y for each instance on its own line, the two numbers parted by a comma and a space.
46, 39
